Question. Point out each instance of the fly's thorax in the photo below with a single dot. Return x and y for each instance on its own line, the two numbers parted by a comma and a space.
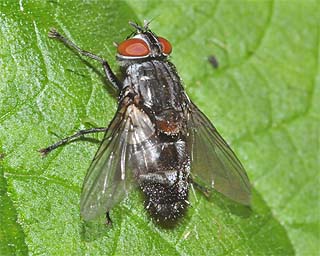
157, 84
166, 194
156, 94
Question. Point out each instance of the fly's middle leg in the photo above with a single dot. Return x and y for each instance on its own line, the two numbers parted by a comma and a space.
47, 150
110, 75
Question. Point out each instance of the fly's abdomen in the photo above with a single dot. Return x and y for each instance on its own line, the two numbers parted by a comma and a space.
166, 194
164, 177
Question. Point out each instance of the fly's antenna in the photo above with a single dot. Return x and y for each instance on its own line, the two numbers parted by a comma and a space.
146, 24
136, 26
145, 27
140, 29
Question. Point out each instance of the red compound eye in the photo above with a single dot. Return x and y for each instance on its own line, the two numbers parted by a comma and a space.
133, 47
166, 46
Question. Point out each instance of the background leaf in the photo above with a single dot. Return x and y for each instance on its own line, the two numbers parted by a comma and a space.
263, 97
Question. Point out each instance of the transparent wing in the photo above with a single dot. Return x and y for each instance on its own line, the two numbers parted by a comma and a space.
214, 164
110, 176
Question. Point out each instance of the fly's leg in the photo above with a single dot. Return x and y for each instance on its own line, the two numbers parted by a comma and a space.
108, 219
45, 151
110, 75
203, 189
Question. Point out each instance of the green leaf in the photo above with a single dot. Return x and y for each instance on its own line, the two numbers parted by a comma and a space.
263, 98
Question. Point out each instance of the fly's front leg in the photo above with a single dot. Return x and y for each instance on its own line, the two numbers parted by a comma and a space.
110, 75
47, 150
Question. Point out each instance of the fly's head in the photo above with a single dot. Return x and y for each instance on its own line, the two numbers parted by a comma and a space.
142, 45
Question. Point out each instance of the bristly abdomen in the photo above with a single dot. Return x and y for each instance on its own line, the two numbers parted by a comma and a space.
166, 201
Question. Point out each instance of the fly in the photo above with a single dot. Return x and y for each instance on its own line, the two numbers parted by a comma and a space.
158, 139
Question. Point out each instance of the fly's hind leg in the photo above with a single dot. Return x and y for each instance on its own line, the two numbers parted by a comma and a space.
108, 219
203, 189
47, 150
110, 75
